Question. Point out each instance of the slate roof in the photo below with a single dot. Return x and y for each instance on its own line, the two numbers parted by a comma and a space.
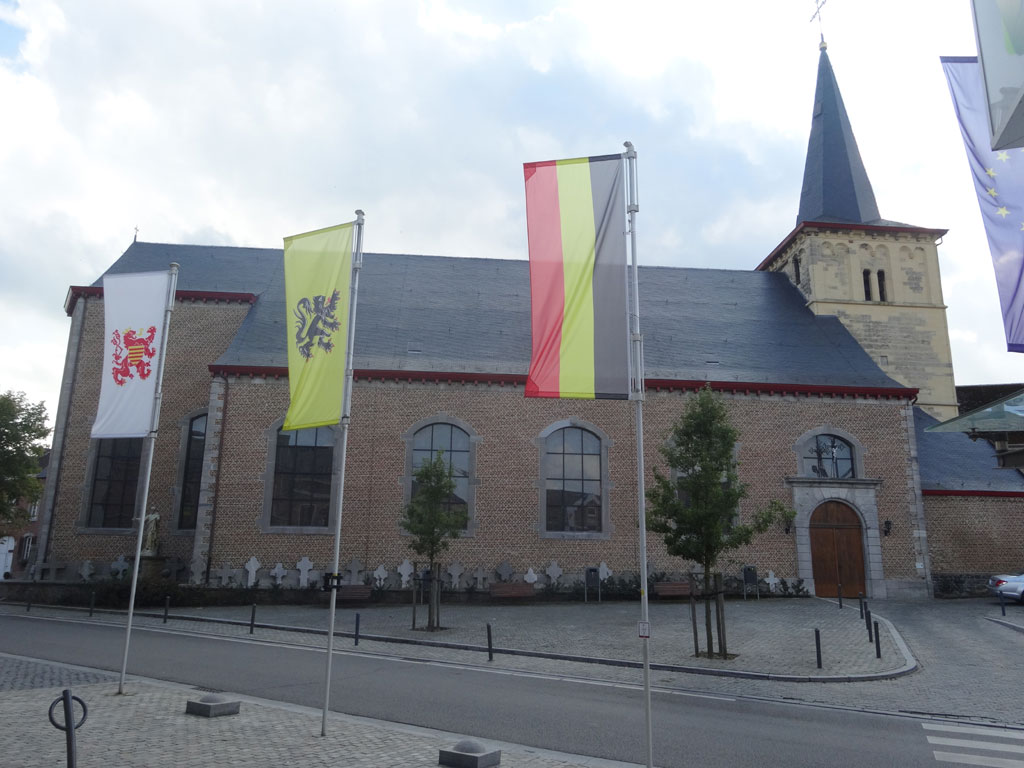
951, 461
455, 315
836, 187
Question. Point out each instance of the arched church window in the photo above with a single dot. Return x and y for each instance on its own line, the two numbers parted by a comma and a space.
829, 456
454, 445
881, 285
796, 269
114, 482
572, 481
867, 285
192, 472
304, 459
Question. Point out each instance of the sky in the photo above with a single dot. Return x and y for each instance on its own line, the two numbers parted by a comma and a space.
225, 122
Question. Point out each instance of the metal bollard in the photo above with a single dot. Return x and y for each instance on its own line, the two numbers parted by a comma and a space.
868, 618
490, 645
867, 614
92, 602
167, 606
840, 593
252, 620
28, 606
357, 629
817, 645
878, 643
860, 599
1002, 603
70, 726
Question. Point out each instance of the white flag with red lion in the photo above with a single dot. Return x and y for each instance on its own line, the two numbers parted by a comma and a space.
134, 305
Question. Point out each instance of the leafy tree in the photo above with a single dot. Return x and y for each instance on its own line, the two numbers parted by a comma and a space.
432, 523
22, 426
697, 511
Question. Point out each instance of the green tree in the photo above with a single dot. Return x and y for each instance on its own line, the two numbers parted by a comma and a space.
697, 511
432, 523
22, 427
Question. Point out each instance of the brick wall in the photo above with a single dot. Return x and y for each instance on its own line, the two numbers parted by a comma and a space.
975, 534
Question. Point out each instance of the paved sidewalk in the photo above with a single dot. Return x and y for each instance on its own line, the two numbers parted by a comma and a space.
147, 727
769, 638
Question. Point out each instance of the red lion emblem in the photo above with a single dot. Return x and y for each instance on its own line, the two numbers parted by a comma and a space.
132, 352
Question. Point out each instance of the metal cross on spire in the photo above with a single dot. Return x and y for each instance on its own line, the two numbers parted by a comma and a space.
818, 5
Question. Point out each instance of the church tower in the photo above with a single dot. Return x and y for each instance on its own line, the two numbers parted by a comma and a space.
879, 277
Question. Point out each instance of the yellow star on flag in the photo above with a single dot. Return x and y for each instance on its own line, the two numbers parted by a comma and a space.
992, 191
1002, 211
1004, 156
990, 172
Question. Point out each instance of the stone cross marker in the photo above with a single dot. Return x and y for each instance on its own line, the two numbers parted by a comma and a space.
198, 569
530, 577
380, 576
251, 568
278, 574
86, 570
455, 571
354, 569
405, 571
305, 565
224, 573
505, 572
479, 576
119, 566
554, 572
771, 581
604, 572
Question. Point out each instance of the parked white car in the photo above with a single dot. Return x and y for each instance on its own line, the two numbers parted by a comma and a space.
1008, 585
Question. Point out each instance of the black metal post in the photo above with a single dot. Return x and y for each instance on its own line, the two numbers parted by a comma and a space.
28, 606
1002, 603
867, 614
92, 602
490, 643
252, 620
817, 645
868, 618
357, 628
860, 599
840, 596
878, 643
167, 606
69, 727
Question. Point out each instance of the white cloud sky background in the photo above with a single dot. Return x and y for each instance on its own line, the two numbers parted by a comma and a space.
238, 123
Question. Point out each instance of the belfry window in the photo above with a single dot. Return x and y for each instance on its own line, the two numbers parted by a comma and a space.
881, 285
796, 269
867, 285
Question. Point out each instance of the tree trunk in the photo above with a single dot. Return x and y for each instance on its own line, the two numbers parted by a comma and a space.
431, 615
720, 612
435, 595
707, 612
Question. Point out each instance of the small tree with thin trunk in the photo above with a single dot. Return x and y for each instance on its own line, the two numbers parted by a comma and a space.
22, 427
697, 511
433, 522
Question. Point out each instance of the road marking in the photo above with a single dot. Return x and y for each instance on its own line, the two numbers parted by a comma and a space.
976, 731
992, 746
989, 762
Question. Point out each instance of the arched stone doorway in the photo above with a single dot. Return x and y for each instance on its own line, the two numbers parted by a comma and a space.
837, 550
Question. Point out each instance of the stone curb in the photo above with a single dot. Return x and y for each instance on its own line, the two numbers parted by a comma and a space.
1004, 623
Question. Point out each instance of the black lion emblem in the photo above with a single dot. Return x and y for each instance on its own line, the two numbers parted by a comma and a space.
314, 322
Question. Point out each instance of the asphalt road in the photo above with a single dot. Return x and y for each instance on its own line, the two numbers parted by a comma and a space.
569, 715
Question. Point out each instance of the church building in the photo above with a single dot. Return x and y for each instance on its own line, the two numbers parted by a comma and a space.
831, 353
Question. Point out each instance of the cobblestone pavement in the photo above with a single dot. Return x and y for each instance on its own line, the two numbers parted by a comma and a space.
148, 727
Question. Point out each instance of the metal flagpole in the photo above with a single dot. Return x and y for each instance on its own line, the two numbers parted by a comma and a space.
147, 466
637, 395
346, 411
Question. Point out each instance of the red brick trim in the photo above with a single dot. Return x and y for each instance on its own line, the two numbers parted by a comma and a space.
657, 385
77, 291
944, 492
844, 227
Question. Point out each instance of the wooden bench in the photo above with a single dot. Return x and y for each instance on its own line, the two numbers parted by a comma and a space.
511, 589
354, 593
672, 589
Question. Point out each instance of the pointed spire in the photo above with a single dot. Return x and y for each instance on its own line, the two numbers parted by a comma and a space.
836, 186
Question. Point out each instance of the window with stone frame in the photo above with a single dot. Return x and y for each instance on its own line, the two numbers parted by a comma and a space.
572, 481
455, 446
303, 463
115, 479
829, 456
192, 472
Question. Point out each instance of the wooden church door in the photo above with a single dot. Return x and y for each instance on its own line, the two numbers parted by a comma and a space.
837, 550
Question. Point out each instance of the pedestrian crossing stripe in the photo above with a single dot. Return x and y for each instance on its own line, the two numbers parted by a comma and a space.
979, 745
